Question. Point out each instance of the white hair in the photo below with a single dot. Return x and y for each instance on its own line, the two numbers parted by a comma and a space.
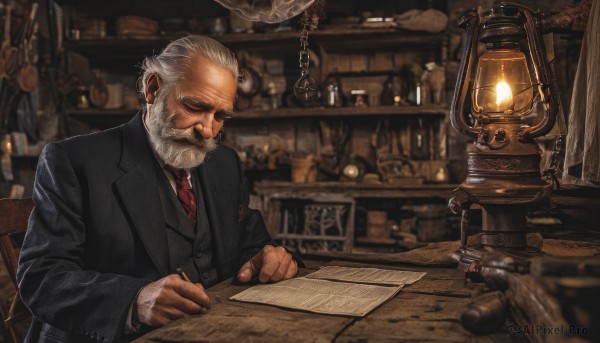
173, 62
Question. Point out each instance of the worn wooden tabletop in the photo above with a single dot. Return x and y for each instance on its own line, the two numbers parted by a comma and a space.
427, 311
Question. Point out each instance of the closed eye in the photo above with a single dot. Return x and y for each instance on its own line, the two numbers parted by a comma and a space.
197, 107
223, 115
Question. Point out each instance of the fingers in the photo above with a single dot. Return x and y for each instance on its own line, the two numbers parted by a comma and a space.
271, 258
168, 299
185, 296
271, 264
283, 268
250, 268
193, 296
292, 270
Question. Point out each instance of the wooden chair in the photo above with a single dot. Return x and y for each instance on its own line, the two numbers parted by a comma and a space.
14, 215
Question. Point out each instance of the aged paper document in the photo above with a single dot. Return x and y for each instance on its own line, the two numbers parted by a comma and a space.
333, 290
372, 276
320, 296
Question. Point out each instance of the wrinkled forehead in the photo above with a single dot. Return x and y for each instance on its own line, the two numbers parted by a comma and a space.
207, 81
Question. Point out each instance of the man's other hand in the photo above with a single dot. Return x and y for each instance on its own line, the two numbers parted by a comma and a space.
270, 264
168, 299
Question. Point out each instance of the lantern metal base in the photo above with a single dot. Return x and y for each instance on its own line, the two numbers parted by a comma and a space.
504, 181
465, 255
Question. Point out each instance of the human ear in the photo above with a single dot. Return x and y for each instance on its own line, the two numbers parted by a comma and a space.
152, 85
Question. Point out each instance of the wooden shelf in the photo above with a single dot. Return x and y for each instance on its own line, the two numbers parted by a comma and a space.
101, 117
320, 112
388, 241
117, 48
153, 9
283, 189
400, 37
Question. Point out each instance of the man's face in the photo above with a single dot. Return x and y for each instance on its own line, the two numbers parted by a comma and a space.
184, 121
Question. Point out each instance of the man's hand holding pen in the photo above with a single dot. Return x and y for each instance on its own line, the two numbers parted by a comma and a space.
270, 264
168, 299
175, 296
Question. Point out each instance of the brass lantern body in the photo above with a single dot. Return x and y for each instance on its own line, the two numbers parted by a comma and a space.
503, 172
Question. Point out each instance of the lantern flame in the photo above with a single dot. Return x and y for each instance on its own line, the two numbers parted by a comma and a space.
503, 94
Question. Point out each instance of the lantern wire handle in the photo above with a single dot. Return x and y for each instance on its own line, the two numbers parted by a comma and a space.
545, 78
544, 75
470, 22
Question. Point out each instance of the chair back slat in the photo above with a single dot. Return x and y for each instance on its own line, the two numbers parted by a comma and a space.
14, 215
10, 257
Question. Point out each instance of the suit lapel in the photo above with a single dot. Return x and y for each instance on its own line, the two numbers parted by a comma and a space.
138, 189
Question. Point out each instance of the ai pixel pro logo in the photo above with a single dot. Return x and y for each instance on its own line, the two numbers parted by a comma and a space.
538, 329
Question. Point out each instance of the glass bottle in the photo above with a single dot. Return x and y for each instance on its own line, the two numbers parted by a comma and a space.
332, 92
83, 102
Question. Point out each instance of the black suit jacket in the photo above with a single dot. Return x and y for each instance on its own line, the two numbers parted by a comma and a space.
97, 233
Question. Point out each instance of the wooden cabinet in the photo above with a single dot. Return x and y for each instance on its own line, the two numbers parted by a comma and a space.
330, 216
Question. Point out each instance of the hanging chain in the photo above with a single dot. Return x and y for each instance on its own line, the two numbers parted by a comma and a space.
557, 159
304, 56
305, 88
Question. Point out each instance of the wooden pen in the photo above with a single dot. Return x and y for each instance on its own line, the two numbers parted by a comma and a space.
184, 276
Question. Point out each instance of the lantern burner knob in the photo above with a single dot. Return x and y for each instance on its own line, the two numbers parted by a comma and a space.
500, 135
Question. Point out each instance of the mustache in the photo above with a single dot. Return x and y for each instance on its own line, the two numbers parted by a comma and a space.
181, 148
185, 136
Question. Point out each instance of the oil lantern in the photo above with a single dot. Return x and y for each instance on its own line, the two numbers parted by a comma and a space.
503, 99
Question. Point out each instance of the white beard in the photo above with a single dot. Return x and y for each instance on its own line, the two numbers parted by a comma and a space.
180, 148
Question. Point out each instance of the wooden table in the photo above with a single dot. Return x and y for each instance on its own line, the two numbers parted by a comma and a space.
427, 311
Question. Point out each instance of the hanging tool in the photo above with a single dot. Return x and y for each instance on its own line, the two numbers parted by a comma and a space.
8, 53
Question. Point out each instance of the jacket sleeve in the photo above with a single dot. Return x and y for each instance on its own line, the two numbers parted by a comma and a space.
255, 234
54, 282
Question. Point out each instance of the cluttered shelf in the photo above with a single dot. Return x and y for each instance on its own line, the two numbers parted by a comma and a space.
102, 117
360, 37
430, 110
278, 189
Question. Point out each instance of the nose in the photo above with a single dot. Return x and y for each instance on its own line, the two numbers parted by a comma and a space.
205, 125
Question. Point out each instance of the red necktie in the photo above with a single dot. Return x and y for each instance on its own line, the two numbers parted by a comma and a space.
184, 192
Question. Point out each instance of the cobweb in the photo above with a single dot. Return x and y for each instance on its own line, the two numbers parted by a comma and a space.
268, 11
